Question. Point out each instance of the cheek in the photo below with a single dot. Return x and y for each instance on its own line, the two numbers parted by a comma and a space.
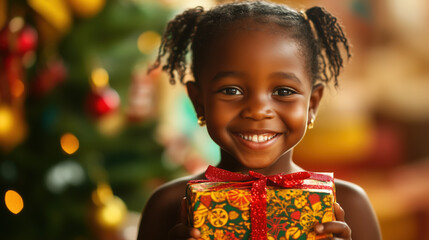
296, 117
218, 115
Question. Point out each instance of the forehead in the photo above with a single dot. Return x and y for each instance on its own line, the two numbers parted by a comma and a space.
252, 45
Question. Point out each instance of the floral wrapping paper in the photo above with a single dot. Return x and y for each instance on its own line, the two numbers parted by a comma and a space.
224, 213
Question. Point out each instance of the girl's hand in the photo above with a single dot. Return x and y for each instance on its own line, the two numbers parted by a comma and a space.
182, 231
338, 228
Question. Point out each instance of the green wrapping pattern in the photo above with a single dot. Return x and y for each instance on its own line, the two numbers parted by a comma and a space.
224, 213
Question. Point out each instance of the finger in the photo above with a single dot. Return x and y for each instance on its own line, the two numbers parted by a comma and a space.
339, 212
339, 229
195, 233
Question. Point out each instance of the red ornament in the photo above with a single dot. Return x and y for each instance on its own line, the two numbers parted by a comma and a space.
27, 40
20, 42
49, 77
103, 102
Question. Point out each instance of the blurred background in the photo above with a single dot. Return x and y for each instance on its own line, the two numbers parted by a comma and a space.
86, 135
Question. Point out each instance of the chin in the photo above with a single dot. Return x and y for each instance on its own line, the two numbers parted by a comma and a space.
256, 163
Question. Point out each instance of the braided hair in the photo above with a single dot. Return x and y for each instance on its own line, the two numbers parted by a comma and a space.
315, 30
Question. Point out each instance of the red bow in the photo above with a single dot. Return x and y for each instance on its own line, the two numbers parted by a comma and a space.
258, 183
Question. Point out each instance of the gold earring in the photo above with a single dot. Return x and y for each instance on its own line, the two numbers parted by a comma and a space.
311, 124
201, 121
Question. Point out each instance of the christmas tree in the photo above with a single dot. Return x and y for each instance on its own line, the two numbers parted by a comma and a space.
77, 116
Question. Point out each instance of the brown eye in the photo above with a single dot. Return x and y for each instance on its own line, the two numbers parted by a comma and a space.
283, 92
231, 91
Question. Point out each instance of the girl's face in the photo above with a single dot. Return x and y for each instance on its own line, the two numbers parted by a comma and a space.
256, 95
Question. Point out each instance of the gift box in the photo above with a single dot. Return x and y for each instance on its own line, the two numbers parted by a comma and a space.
237, 206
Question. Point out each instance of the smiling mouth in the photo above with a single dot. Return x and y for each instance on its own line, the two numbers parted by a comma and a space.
258, 138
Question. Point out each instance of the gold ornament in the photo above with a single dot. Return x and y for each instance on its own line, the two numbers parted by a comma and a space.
86, 8
55, 12
201, 121
13, 129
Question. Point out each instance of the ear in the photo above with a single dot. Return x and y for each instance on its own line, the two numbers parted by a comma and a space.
194, 93
316, 96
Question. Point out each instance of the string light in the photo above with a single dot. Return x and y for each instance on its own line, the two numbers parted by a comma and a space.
17, 88
148, 41
16, 24
111, 210
13, 201
102, 194
113, 213
69, 143
6, 120
99, 78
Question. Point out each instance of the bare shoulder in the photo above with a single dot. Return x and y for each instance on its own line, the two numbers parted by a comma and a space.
359, 214
162, 211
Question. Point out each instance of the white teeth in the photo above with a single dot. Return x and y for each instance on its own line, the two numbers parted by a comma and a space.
257, 138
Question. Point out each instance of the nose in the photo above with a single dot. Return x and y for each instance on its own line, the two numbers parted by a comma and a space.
257, 108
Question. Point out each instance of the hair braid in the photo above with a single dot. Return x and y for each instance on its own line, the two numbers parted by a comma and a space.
175, 42
195, 30
329, 35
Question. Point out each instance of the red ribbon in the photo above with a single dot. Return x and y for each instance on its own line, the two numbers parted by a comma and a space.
258, 183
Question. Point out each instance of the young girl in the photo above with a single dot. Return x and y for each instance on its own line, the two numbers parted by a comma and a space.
259, 73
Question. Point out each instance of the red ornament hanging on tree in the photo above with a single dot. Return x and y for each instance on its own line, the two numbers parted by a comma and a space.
49, 77
27, 40
103, 99
103, 102
16, 41
17, 38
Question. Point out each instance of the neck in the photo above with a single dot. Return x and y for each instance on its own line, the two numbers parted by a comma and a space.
284, 164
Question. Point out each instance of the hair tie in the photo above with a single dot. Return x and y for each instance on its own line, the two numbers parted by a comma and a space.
304, 15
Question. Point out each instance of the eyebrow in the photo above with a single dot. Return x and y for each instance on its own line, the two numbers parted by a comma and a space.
224, 74
286, 75
282, 75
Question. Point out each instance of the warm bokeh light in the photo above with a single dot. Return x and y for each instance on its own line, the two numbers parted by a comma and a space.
148, 42
6, 120
13, 201
102, 194
113, 213
99, 78
17, 88
86, 8
16, 24
69, 143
